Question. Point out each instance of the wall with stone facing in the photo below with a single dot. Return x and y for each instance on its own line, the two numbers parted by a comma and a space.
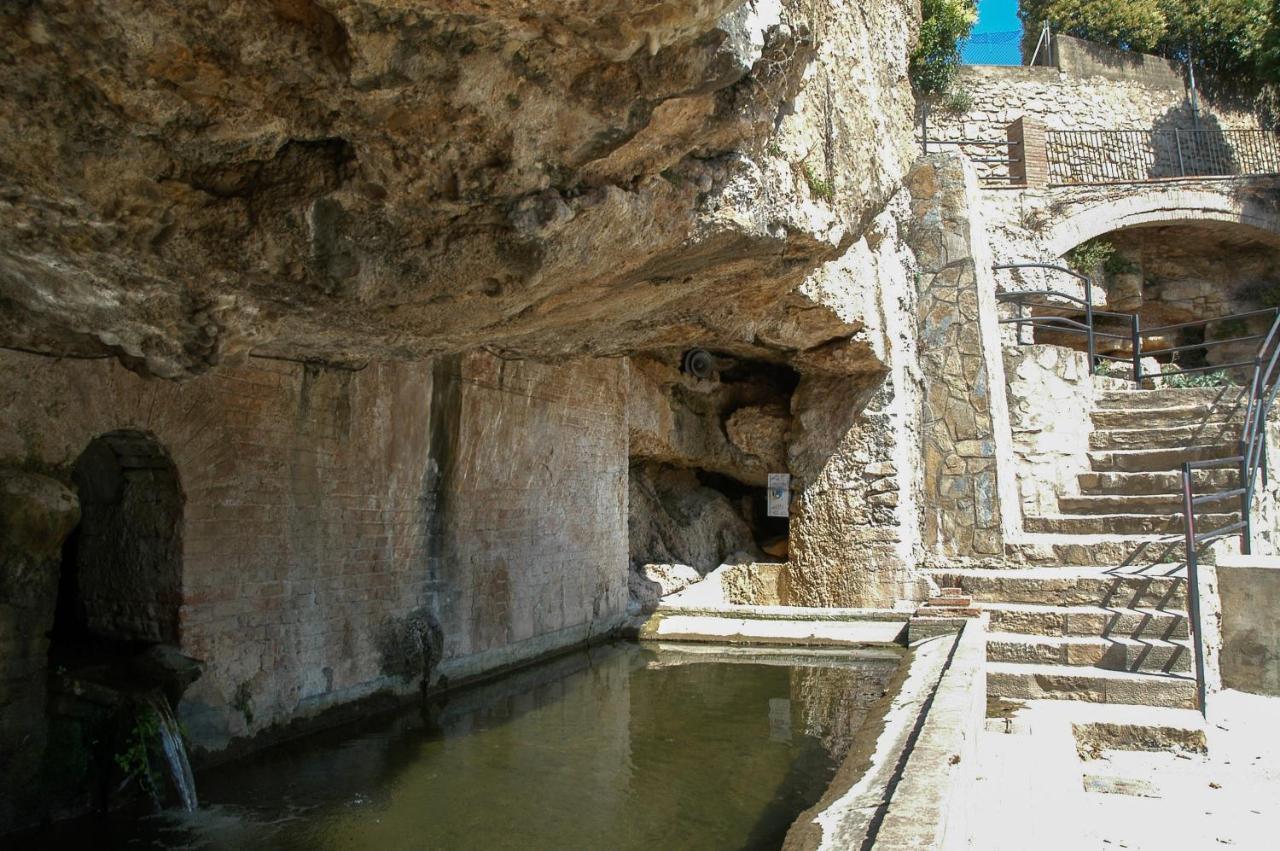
331, 515
1075, 97
1050, 393
969, 501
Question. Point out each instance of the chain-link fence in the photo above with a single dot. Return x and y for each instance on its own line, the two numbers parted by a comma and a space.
1004, 48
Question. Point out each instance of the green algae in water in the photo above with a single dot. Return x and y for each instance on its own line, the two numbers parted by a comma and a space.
619, 747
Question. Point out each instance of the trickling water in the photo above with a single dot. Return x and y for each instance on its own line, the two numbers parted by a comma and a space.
175, 753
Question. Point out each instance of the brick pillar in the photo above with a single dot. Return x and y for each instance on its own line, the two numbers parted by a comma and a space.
1030, 154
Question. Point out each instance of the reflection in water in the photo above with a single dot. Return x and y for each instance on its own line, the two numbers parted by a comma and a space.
618, 747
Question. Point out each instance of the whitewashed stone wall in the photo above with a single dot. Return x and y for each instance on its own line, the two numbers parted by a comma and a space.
1050, 393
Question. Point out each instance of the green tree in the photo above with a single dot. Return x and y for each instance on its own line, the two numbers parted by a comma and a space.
1268, 69
944, 23
1225, 37
1128, 24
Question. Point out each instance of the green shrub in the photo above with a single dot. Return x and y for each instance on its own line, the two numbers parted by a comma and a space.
1236, 38
957, 102
1262, 293
135, 760
819, 187
944, 23
1086, 257
1212, 378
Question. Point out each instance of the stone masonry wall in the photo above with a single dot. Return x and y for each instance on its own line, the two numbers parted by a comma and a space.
968, 481
332, 515
1050, 392
1074, 99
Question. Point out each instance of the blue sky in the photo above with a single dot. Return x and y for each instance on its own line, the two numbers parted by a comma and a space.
996, 16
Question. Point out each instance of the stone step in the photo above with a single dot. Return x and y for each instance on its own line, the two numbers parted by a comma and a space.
1168, 397
1155, 483
1178, 415
1105, 551
1169, 503
1096, 550
1155, 436
1123, 524
1155, 460
1099, 727
1113, 653
1023, 681
1069, 586
1093, 621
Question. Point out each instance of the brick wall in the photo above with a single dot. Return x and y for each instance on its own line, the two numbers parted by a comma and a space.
327, 511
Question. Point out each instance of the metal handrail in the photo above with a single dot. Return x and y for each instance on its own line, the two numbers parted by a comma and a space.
1128, 156
1087, 301
1250, 458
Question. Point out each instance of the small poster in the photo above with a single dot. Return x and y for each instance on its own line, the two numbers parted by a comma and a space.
779, 494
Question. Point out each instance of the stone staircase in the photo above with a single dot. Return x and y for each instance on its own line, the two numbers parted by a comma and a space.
1093, 606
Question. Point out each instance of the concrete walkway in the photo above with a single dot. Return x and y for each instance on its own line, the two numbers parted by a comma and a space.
1034, 791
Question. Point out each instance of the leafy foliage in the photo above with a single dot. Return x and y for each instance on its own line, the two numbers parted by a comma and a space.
944, 24
1210, 378
135, 760
1224, 37
819, 187
1263, 293
1088, 256
1129, 24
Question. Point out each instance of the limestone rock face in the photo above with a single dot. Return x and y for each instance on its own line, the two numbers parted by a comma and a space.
649, 583
674, 519
355, 179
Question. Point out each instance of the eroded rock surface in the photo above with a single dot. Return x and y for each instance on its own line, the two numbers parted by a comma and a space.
348, 180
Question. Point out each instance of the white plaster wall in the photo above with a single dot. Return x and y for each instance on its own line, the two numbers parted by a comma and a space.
1050, 394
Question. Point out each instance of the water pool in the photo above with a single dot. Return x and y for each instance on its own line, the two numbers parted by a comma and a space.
623, 746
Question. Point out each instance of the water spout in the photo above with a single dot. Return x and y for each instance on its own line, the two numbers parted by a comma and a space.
175, 753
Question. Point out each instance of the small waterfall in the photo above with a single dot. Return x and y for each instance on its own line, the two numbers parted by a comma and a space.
175, 753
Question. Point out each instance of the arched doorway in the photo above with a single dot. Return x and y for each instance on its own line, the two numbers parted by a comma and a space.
121, 576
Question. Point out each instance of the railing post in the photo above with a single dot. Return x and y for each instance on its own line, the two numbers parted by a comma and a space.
1193, 582
1135, 331
1177, 140
1088, 319
924, 128
1246, 502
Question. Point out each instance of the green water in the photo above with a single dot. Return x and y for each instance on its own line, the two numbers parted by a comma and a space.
619, 747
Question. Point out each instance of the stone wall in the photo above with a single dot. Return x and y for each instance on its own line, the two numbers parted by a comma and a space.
1049, 391
1079, 95
126, 555
331, 516
969, 488
36, 514
1250, 633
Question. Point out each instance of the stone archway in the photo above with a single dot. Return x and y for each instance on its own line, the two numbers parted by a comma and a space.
121, 577
1087, 212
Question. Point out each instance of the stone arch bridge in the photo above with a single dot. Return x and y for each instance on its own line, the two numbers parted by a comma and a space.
1043, 223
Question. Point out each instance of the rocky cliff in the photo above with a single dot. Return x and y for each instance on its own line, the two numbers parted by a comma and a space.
344, 180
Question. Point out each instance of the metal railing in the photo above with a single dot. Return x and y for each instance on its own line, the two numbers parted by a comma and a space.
1250, 459
1133, 156
988, 177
